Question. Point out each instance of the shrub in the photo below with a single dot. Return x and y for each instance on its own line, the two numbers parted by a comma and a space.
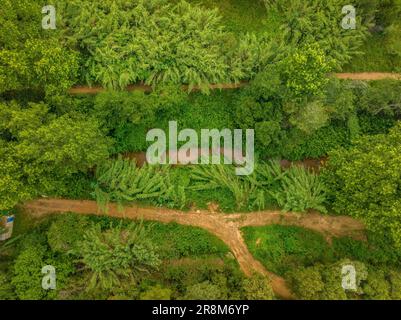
317, 21
157, 42
65, 232
156, 293
282, 247
27, 275
301, 190
31, 57
122, 181
6, 288
258, 287
203, 291
364, 181
116, 253
307, 283
376, 286
175, 241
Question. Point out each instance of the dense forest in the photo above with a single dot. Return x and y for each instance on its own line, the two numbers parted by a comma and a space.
276, 63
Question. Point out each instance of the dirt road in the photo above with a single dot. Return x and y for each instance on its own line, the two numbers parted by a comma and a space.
146, 88
225, 226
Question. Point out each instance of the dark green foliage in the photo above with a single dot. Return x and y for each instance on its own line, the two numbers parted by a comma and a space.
319, 143
379, 250
65, 232
6, 288
364, 181
175, 241
281, 248
208, 274
382, 98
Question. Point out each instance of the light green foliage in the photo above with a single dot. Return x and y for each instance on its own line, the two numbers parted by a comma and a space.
30, 56
258, 287
364, 181
38, 150
294, 190
319, 21
156, 293
123, 181
223, 176
301, 190
324, 282
27, 272
305, 71
204, 291
308, 116
157, 42
395, 280
376, 286
6, 288
116, 253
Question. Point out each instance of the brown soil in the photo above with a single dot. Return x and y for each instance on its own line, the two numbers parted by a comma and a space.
226, 227
146, 88
369, 76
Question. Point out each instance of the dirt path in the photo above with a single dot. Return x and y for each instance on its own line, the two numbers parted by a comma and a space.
369, 76
146, 88
225, 226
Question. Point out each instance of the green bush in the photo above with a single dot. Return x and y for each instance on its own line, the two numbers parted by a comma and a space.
65, 232
363, 181
177, 43
6, 288
317, 21
258, 287
116, 253
280, 248
27, 273
204, 291
175, 241
123, 181
301, 190
156, 293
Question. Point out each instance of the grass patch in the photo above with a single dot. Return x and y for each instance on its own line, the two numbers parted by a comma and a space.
281, 248
284, 248
375, 58
241, 16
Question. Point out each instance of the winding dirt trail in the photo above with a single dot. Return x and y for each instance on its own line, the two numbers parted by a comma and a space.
225, 226
367, 76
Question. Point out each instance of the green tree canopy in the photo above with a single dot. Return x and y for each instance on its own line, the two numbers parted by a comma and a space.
365, 181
